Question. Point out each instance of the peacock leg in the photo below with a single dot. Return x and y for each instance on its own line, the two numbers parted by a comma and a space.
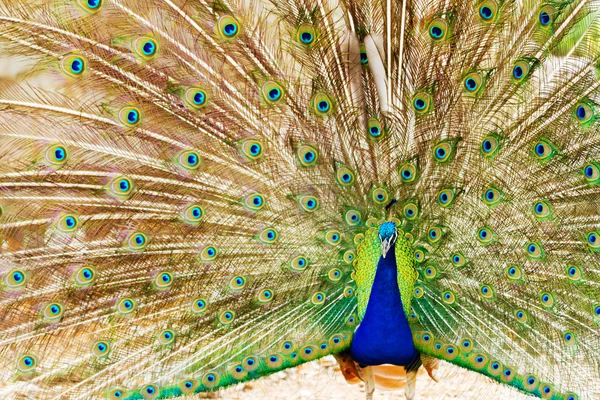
369, 378
411, 383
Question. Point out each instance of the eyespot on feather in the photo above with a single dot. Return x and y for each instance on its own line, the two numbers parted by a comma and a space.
189, 160
309, 203
53, 311
252, 149
166, 337
333, 237
422, 102
149, 392
189, 386
307, 155
16, 279
227, 317
121, 186
27, 363
195, 98
85, 276
163, 280
91, 6
352, 217
208, 253
318, 298
56, 155
237, 283
488, 10
67, 223
199, 306
268, 236
438, 29
73, 65
473, 83
193, 214
126, 306
322, 105
299, 263
265, 295
137, 241
228, 27
374, 129
408, 173
145, 47
584, 112
129, 116
101, 348
306, 35
254, 201
272, 92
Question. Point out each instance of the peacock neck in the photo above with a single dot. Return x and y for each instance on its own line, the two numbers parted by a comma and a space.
384, 336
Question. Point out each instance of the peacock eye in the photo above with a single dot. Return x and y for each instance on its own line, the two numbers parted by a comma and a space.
421, 102
299, 263
438, 29
408, 173
272, 92
374, 128
137, 241
265, 295
56, 155
380, 195
195, 98
129, 116
443, 152
53, 311
345, 176
306, 35
84, 276
446, 197
583, 112
546, 16
364, 59
321, 104
73, 65
473, 82
91, 6
318, 298
163, 280
254, 201
189, 160
26, 363
307, 155
101, 348
543, 150
227, 317
352, 217
126, 306
488, 10
411, 211
145, 48
198, 306
485, 235
228, 27
252, 149
534, 250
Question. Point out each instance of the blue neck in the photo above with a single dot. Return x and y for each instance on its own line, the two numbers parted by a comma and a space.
384, 336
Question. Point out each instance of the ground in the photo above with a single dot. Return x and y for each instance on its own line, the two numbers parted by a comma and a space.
322, 380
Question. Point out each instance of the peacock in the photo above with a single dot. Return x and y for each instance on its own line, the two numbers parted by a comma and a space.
194, 194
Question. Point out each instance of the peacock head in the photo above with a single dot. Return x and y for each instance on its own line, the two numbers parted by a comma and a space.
387, 236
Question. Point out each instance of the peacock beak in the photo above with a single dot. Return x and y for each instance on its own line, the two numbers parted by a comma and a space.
385, 246
387, 243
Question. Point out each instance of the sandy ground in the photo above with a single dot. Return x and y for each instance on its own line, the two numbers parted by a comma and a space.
322, 380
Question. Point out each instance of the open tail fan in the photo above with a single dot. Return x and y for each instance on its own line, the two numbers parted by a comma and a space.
188, 190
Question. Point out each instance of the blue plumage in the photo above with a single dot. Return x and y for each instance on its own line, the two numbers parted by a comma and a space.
384, 336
